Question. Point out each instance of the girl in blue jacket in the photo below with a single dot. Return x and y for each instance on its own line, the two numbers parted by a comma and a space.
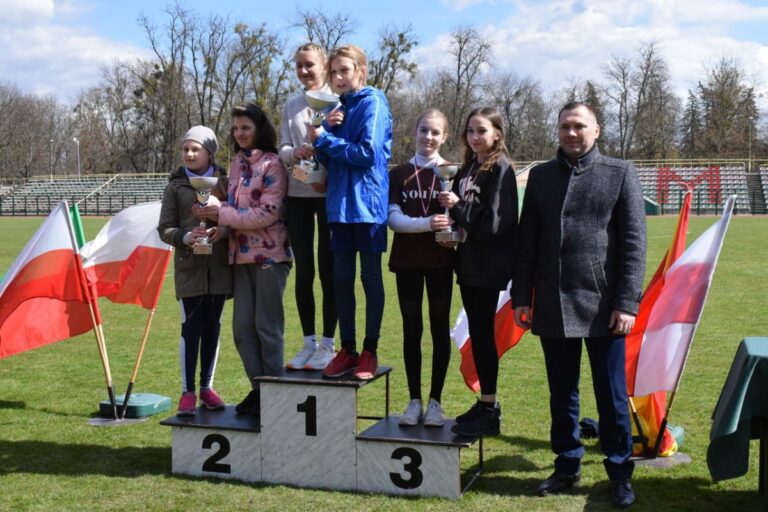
354, 144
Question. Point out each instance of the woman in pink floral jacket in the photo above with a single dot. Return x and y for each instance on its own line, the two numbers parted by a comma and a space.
258, 246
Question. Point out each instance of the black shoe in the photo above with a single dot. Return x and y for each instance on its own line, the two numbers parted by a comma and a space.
622, 495
559, 482
251, 404
475, 411
480, 420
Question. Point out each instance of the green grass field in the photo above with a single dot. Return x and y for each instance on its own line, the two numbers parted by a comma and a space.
51, 458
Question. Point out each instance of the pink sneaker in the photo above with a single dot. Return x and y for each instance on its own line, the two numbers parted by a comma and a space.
366, 368
343, 363
187, 404
211, 400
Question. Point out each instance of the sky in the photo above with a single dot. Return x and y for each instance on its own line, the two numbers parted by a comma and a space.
58, 47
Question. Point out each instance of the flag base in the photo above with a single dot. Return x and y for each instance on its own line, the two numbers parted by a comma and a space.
112, 422
663, 462
140, 405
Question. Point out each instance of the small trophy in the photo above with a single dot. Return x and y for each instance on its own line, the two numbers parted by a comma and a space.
446, 172
321, 103
203, 186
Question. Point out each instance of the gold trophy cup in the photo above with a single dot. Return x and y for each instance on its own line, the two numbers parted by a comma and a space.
446, 172
203, 186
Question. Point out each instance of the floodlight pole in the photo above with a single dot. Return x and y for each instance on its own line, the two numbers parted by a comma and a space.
50, 159
77, 143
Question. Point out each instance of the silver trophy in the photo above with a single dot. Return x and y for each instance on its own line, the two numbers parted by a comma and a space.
446, 172
203, 186
321, 104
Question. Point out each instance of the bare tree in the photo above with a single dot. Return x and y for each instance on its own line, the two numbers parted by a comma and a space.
470, 53
324, 28
628, 88
529, 131
393, 48
28, 124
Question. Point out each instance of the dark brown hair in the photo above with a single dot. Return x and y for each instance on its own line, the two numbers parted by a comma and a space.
572, 105
265, 136
498, 149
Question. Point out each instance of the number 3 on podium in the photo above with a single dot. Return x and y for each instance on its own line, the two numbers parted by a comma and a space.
416, 477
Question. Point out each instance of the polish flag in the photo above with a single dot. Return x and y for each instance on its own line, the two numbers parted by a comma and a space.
127, 261
44, 297
506, 331
677, 310
650, 409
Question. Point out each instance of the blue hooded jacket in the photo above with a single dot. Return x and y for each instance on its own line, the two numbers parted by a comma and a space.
356, 154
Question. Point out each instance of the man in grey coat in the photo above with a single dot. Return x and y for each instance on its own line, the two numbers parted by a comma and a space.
579, 275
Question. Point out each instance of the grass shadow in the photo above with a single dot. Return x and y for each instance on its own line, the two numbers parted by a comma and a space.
12, 404
82, 459
653, 494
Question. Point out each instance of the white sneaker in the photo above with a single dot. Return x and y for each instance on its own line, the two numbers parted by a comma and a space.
413, 414
320, 359
300, 359
434, 417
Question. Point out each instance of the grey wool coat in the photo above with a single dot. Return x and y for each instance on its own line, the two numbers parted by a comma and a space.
581, 245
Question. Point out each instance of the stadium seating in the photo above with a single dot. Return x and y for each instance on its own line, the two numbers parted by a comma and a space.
94, 195
711, 184
764, 178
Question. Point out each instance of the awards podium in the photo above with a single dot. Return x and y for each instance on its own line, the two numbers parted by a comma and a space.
307, 435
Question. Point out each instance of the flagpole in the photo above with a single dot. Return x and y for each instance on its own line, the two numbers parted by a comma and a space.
144, 338
663, 426
643, 438
105, 362
93, 307
137, 363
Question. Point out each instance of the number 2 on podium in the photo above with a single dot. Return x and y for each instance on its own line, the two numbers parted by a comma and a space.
309, 407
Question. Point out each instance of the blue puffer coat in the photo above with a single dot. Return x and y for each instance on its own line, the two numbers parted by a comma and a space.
356, 154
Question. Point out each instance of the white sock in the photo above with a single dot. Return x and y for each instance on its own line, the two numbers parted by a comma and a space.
328, 342
309, 341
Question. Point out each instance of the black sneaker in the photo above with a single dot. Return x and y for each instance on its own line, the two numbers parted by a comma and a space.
622, 495
475, 411
480, 421
251, 404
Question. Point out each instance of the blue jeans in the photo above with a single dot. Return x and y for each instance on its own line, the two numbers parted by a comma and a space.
606, 357
344, 266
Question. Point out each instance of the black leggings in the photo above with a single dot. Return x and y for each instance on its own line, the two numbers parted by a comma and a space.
300, 215
200, 326
480, 305
410, 291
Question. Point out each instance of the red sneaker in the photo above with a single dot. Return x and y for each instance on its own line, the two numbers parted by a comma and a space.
343, 363
211, 399
366, 368
187, 404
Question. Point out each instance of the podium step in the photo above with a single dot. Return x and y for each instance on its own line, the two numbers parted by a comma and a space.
412, 461
316, 377
217, 444
226, 419
388, 429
